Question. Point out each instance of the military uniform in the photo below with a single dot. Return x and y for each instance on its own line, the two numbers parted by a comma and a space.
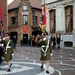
8, 53
45, 56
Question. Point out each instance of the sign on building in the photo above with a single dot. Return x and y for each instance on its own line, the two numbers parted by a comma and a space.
25, 13
25, 29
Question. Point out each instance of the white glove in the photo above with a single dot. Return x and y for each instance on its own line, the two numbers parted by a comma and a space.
3, 38
12, 54
51, 54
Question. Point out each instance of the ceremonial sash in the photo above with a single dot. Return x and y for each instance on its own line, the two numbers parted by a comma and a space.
46, 48
7, 46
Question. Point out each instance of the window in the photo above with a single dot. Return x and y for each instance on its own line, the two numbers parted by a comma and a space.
34, 17
34, 20
16, 16
25, 8
68, 44
52, 21
13, 20
69, 18
25, 20
25, 17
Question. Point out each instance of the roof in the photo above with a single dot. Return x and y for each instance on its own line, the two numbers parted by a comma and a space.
14, 4
33, 3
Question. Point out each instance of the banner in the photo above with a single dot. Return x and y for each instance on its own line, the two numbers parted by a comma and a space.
25, 29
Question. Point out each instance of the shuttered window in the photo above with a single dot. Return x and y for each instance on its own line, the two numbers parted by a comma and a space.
52, 21
69, 18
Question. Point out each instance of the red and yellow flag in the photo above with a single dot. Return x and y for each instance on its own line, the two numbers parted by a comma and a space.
1, 23
43, 19
0, 15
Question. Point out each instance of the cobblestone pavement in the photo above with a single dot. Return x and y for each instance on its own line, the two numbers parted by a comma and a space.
26, 61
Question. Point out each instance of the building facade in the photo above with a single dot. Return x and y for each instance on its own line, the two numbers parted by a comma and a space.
3, 17
24, 18
61, 20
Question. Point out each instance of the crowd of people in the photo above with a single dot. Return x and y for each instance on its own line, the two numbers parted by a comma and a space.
55, 41
33, 41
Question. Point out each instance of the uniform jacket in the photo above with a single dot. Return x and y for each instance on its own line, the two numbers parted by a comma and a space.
10, 51
49, 50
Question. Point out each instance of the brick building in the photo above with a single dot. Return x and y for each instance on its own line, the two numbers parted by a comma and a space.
24, 19
3, 17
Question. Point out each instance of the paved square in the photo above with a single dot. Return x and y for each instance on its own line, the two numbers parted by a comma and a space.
26, 61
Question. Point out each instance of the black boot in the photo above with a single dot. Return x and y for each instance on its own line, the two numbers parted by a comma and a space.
47, 72
41, 67
8, 70
58, 47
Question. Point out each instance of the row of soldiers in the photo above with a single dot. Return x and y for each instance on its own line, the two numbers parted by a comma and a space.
6, 50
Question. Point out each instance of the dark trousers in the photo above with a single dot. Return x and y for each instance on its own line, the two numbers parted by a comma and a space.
0, 59
58, 46
33, 43
14, 45
1, 54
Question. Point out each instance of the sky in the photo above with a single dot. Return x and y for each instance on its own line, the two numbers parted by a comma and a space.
9, 1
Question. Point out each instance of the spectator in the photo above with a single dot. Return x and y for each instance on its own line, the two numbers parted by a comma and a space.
14, 39
58, 41
53, 40
33, 40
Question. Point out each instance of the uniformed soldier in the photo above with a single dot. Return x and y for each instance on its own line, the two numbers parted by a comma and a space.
8, 50
45, 51
1, 49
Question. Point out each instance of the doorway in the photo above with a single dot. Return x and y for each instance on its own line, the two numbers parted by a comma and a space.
14, 34
25, 38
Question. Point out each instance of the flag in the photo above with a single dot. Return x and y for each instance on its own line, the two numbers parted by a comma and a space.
1, 23
0, 15
43, 18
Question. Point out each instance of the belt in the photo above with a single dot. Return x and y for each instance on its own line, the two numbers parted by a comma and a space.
9, 47
44, 46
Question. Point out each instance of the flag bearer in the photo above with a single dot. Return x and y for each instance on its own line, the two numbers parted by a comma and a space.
45, 51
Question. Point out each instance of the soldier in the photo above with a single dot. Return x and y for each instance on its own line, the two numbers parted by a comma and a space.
45, 51
1, 49
8, 50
